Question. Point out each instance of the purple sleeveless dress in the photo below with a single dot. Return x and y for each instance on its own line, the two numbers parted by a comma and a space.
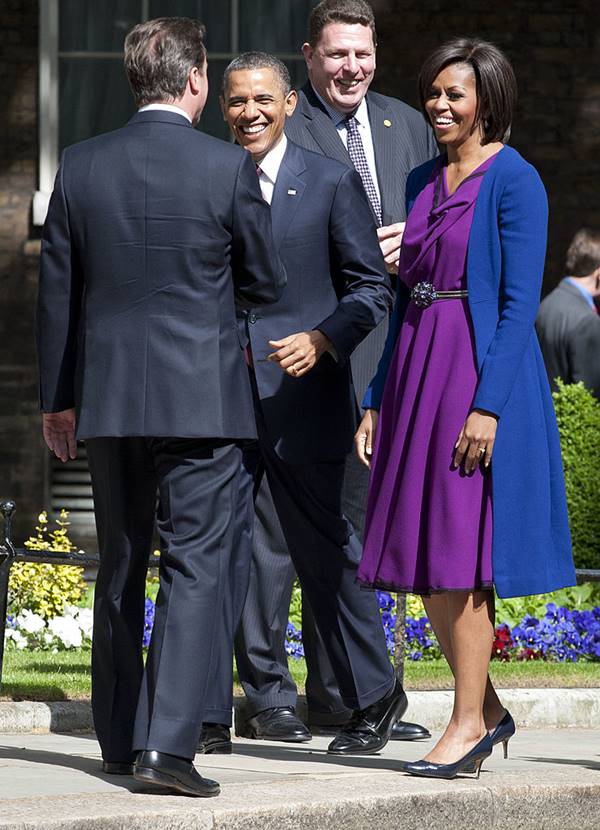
429, 526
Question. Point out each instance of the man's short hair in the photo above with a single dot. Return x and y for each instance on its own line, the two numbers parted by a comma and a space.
583, 255
495, 82
159, 55
260, 60
339, 11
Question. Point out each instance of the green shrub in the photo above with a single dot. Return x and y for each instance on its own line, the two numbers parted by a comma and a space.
578, 416
40, 587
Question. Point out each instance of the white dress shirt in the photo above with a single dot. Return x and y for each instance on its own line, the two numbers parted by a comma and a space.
167, 107
364, 129
269, 168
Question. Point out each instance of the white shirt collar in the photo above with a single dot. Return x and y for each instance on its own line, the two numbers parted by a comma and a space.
271, 163
167, 108
338, 118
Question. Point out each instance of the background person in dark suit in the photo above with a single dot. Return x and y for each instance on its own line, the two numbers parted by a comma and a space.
151, 231
568, 324
337, 291
388, 139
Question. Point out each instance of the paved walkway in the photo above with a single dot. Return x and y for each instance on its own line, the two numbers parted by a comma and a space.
552, 780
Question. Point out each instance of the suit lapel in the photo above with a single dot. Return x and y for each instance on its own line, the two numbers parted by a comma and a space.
288, 192
322, 128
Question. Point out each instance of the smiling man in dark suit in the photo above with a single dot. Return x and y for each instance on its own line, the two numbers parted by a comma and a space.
337, 291
568, 325
337, 116
153, 232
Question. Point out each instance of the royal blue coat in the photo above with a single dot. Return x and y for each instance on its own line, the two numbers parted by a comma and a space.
531, 548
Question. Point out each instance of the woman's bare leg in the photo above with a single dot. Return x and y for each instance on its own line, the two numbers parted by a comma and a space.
436, 607
469, 641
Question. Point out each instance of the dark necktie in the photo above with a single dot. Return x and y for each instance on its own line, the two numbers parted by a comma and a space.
356, 151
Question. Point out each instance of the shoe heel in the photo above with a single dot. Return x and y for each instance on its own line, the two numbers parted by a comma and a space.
478, 764
505, 747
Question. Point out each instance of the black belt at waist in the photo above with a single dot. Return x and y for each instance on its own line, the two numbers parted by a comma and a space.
424, 294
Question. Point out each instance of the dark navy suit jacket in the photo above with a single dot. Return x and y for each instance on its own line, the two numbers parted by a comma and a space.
153, 232
325, 234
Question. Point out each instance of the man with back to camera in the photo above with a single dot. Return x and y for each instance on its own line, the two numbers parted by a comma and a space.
153, 232
384, 141
568, 324
337, 291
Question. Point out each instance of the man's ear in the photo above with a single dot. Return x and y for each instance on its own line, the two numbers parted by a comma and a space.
307, 51
195, 79
291, 100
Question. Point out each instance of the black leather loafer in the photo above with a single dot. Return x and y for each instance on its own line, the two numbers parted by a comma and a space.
172, 773
117, 767
404, 731
369, 729
401, 730
278, 724
215, 739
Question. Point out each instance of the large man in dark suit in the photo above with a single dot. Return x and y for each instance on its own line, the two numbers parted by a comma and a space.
386, 140
151, 233
299, 349
568, 324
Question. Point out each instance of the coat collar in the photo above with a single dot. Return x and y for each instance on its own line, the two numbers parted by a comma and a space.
163, 116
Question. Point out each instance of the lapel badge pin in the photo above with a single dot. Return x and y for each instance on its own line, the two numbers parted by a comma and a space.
291, 192
387, 123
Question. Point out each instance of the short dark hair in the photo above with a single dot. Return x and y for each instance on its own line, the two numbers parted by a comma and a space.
339, 11
583, 255
259, 60
159, 55
495, 82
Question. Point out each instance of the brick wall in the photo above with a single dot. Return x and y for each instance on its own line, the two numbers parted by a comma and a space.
554, 46
22, 460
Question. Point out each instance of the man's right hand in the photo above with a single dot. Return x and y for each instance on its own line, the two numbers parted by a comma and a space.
365, 436
59, 433
390, 240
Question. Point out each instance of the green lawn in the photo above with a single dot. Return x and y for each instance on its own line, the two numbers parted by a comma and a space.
66, 675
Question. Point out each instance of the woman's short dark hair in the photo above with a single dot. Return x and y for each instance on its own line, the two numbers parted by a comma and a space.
159, 55
495, 82
583, 256
339, 11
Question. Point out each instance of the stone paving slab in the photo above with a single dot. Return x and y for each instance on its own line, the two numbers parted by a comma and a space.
552, 780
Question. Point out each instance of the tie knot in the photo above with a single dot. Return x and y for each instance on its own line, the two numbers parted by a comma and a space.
351, 123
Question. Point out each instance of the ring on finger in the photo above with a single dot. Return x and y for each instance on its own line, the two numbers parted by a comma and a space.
295, 369
480, 450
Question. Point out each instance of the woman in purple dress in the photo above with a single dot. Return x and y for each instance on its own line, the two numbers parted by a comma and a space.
461, 373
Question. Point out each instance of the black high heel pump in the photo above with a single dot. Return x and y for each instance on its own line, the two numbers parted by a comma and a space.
471, 762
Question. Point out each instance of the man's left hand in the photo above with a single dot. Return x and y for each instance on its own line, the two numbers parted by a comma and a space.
58, 429
298, 353
390, 240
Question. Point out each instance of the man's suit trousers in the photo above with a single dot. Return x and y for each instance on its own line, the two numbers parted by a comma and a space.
260, 640
203, 521
325, 553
